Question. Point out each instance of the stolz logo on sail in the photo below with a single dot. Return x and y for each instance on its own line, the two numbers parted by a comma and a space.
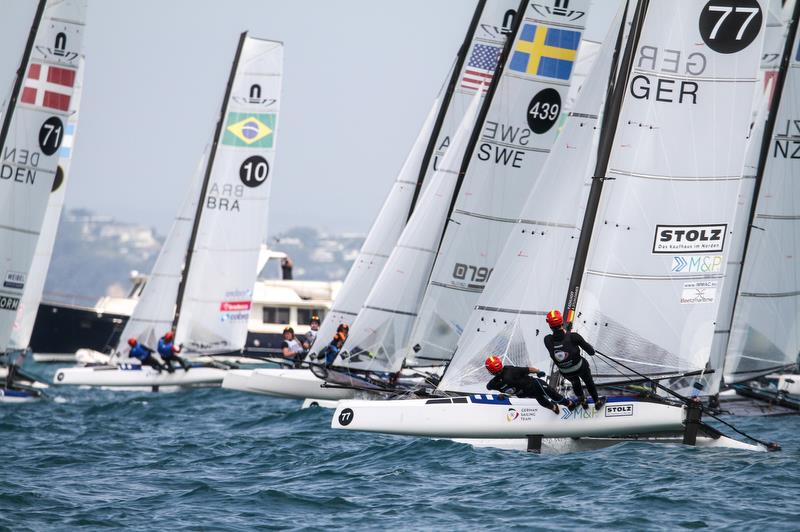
619, 410
689, 238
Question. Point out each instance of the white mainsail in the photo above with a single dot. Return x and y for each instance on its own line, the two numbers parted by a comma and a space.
33, 131
765, 333
381, 239
155, 311
380, 333
29, 303
516, 136
490, 27
216, 299
670, 192
532, 271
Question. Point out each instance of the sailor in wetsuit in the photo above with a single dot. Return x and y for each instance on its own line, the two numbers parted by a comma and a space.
143, 354
513, 380
565, 350
169, 352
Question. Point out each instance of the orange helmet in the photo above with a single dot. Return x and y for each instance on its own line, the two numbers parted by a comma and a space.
554, 319
169, 336
131, 341
494, 364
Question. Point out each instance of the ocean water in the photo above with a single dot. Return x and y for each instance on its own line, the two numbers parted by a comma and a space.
215, 459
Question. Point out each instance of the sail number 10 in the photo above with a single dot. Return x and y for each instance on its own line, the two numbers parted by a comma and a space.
254, 171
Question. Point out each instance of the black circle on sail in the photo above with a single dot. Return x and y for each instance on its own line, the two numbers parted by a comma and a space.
50, 135
254, 171
59, 179
544, 110
730, 26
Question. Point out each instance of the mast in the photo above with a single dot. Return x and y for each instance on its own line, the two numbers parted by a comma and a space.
37, 19
766, 141
484, 111
613, 106
461, 56
206, 179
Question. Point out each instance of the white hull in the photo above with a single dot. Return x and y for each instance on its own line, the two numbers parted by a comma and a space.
287, 383
571, 445
489, 416
15, 397
132, 375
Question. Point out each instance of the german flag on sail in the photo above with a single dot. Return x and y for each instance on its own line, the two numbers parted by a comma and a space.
546, 52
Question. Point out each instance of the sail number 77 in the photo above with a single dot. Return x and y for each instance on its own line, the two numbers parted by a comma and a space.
729, 26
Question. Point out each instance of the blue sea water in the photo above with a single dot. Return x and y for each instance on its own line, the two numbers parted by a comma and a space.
220, 460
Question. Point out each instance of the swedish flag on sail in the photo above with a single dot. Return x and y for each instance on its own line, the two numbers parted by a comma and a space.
252, 130
547, 52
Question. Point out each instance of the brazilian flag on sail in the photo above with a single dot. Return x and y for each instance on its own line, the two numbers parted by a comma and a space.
250, 130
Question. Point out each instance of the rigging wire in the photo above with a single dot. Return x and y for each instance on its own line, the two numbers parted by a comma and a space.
771, 446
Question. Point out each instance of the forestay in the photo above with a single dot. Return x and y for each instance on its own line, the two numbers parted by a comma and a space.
516, 136
233, 221
765, 334
29, 303
381, 239
671, 186
532, 271
380, 333
33, 131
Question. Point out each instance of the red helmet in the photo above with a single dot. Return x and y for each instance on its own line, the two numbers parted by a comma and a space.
131, 341
554, 319
169, 336
494, 364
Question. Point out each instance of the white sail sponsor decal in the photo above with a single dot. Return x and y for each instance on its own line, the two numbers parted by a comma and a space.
689, 238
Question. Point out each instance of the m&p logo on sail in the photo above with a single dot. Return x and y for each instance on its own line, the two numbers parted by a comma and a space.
250, 130
546, 52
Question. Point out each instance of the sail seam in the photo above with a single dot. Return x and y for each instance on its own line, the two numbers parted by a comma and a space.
391, 311
653, 277
672, 178
512, 311
770, 294
470, 288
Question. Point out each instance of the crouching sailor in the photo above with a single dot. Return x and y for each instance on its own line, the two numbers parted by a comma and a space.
169, 352
143, 354
565, 350
513, 380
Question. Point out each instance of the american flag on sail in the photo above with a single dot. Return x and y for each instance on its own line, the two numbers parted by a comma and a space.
48, 86
480, 67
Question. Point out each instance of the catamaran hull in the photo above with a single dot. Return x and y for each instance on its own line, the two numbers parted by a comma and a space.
495, 417
571, 445
18, 396
131, 376
286, 383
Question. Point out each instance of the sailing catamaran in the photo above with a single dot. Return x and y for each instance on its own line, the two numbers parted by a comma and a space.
204, 290
33, 132
473, 69
763, 321
668, 166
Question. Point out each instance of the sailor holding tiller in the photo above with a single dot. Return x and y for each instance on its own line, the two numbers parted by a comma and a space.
565, 350
513, 380
169, 352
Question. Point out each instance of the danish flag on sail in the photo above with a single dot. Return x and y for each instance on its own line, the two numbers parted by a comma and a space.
48, 86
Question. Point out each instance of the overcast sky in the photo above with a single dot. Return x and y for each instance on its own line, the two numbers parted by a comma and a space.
359, 77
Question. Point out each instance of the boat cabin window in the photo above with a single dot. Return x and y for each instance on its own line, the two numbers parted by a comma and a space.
304, 315
278, 315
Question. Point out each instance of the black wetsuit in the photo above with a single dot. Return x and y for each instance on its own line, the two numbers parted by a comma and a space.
513, 380
565, 350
